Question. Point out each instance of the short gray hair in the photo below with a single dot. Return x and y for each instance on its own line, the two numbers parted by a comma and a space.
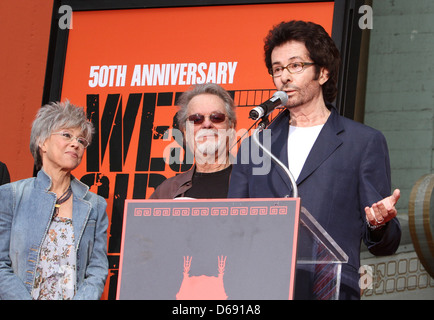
210, 88
52, 117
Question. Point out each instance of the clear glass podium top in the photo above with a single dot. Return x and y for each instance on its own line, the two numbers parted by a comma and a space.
319, 261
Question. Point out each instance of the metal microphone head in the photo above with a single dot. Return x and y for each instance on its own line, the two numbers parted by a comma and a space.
283, 97
254, 114
279, 98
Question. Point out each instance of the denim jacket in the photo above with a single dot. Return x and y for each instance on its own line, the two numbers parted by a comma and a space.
26, 209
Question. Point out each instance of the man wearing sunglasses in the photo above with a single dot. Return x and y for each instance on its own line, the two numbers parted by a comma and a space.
341, 167
207, 120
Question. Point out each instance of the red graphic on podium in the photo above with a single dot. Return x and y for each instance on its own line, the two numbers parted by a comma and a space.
202, 287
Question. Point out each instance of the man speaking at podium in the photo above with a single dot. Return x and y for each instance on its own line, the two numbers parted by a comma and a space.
341, 167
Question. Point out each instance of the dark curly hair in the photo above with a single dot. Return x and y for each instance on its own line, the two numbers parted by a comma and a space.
319, 44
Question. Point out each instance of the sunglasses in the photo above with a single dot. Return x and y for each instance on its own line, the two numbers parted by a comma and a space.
215, 117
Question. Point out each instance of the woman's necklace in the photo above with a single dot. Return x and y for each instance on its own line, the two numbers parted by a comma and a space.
64, 197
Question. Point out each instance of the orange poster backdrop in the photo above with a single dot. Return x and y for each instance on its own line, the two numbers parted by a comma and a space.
127, 67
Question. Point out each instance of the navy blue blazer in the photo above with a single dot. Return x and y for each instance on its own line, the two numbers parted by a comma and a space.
347, 169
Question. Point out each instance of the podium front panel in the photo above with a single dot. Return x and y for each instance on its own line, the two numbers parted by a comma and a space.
234, 249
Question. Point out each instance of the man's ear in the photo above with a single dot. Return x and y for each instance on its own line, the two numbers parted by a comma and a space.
323, 76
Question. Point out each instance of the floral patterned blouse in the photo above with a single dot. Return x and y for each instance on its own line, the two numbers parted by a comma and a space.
56, 271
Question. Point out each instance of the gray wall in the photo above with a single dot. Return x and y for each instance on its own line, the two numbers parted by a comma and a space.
400, 87
400, 103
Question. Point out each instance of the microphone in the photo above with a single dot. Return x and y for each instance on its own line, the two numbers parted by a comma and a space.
279, 98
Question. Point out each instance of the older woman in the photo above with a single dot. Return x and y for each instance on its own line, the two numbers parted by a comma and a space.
53, 241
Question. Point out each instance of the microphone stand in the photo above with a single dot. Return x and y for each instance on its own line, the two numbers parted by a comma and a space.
261, 126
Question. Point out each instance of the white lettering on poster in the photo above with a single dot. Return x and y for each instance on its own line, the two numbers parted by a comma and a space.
163, 74
183, 74
102, 76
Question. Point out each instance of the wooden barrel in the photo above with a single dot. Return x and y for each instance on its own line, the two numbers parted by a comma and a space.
421, 221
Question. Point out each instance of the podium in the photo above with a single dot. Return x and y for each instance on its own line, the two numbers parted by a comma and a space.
218, 249
319, 261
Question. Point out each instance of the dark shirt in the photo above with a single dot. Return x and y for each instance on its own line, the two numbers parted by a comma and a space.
212, 185
4, 174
